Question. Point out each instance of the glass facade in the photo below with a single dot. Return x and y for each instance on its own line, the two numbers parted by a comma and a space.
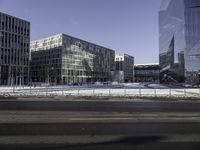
65, 59
192, 36
179, 41
14, 50
146, 73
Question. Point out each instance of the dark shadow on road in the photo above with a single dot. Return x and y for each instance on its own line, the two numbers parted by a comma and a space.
130, 141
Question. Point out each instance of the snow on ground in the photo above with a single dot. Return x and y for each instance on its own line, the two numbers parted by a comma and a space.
158, 86
124, 89
134, 85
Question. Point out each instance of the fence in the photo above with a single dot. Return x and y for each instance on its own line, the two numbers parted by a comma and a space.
93, 91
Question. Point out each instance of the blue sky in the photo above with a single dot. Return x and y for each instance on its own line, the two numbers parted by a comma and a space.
127, 26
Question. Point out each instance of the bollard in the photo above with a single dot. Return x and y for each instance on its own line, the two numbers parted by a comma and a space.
78, 91
170, 92
185, 92
46, 90
13, 89
199, 91
140, 92
124, 91
93, 92
109, 92
155, 92
62, 90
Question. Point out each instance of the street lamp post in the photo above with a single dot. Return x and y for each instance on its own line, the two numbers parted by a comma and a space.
1, 35
199, 77
51, 74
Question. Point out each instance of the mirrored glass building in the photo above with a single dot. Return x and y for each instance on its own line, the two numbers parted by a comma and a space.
179, 41
69, 60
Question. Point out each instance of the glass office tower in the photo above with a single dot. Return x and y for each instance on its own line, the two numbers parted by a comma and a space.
69, 60
179, 41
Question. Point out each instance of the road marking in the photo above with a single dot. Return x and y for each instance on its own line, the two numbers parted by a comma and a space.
97, 119
139, 119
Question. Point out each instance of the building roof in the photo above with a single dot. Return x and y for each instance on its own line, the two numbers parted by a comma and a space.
123, 55
65, 35
15, 17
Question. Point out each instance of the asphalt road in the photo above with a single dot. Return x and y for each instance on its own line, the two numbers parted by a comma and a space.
124, 106
53, 125
144, 128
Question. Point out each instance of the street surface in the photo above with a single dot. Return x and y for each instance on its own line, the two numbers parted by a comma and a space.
88, 125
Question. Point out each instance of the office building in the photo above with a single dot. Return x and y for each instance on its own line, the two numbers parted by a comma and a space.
14, 50
69, 60
146, 73
179, 41
124, 68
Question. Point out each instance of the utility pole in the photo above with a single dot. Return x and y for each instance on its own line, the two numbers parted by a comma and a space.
1, 36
